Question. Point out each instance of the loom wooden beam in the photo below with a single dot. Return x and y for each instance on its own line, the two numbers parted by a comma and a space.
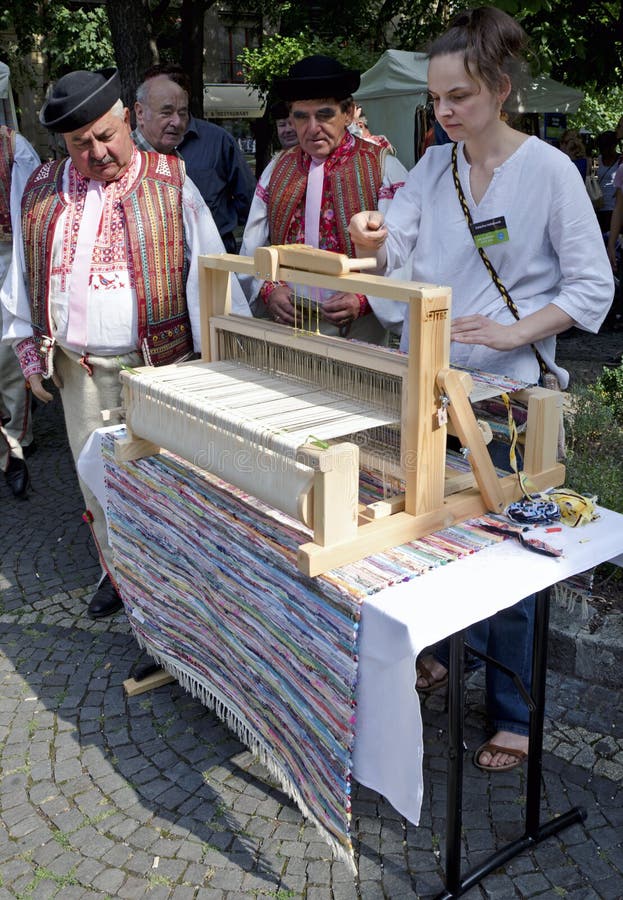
132, 687
542, 428
423, 434
351, 281
364, 356
132, 446
400, 528
457, 385
336, 491
266, 263
215, 288
303, 257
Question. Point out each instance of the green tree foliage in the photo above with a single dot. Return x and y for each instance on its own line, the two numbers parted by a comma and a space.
361, 21
578, 43
594, 435
273, 59
575, 41
75, 38
81, 40
599, 110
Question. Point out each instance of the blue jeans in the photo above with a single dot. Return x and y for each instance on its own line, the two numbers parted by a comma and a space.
506, 636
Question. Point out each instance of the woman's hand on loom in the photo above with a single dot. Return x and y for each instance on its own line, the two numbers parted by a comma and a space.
481, 330
367, 231
279, 305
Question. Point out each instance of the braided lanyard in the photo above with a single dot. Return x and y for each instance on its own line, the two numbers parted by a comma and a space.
488, 265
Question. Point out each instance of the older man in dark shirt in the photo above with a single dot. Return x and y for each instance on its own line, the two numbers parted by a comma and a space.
214, 162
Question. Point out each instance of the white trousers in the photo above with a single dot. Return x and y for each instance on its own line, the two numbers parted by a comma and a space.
84, 398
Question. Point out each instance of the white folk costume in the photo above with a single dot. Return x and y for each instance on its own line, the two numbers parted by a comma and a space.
290, 208
111, 272
17, 161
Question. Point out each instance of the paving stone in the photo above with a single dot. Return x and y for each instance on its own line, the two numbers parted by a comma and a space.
109, 881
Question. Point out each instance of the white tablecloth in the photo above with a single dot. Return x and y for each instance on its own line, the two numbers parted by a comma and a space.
397, 623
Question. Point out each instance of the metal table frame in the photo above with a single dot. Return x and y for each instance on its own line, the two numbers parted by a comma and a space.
534, 831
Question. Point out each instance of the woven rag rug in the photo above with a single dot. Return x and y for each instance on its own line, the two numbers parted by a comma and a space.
209, 581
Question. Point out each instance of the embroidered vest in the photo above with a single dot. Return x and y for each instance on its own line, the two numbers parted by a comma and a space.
7, 156
354, 184
157, 252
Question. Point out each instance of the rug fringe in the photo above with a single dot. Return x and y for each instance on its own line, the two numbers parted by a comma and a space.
211, 698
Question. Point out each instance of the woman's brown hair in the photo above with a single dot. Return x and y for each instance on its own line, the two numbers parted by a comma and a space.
493, 44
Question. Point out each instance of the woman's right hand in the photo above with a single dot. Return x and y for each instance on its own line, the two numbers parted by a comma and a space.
367, 230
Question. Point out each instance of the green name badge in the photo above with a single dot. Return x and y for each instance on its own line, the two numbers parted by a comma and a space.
491, 231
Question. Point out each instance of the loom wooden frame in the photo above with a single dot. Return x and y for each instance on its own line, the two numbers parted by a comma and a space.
343, 530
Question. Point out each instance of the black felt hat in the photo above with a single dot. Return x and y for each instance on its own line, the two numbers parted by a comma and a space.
279, 110
79, 98
317, 77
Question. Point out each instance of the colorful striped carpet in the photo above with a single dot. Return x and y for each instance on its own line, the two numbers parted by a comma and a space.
210, 585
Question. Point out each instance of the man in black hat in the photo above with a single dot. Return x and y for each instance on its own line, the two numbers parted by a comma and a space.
109, 241
308, 194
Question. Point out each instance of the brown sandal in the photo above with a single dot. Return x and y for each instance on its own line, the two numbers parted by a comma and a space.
519, 757
434, 684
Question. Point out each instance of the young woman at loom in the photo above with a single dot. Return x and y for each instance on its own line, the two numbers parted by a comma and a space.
526, 202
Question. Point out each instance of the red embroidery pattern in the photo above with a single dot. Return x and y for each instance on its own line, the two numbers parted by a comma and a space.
110, 254
388, 192
29, 358
347, 189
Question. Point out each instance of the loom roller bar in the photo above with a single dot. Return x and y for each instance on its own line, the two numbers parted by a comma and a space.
278, 415
267, 417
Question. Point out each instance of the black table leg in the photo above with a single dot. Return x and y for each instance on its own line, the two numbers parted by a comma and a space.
534, 832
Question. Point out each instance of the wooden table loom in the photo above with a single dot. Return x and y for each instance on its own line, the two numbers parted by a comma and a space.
286, 414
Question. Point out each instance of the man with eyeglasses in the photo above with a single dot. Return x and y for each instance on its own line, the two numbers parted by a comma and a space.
213, 160
309, 192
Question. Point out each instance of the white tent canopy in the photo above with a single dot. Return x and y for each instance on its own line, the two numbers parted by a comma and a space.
397, 83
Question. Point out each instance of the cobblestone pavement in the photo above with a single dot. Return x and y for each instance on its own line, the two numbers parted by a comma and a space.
107, 796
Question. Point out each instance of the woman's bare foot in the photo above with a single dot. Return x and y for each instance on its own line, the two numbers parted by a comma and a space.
430, 673
498, 759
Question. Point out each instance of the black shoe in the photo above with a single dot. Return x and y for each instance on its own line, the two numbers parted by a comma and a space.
143, 668
17, 477
105, 601
29, 450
